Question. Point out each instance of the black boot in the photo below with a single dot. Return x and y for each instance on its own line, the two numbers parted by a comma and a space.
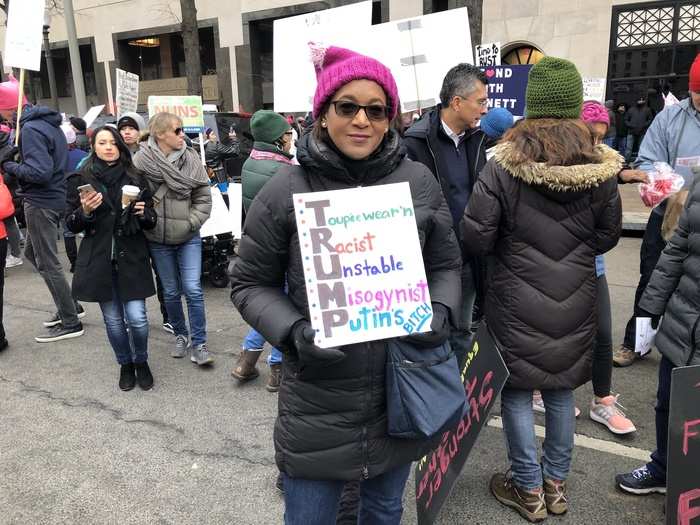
127, 378
144, 376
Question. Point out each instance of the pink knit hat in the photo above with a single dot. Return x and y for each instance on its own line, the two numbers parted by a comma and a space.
8, 94
593, 111
336, 66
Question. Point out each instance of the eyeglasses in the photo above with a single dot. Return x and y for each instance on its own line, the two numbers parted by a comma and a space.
177, 131
347, 109
484, 102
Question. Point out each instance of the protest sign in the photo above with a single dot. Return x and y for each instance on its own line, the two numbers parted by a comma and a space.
292, 57
127, 92
235, 207
188, 108
484, 374
682, 479
507, 86
25, 23
363, 265
488, 54
594, 89
92, 114
219, 220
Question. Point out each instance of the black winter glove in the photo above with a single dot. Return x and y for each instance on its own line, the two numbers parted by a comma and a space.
7, 154
129, 222
439, 329
308, 352
654, 318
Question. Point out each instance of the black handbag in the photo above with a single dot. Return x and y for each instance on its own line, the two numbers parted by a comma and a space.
424, 390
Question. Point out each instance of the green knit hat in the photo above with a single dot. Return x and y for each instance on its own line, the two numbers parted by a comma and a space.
554, 90
268, 126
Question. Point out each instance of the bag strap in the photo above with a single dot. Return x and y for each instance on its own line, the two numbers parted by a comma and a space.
160, 193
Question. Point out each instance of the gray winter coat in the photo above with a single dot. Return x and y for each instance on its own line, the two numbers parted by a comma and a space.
674, 288
331, 420
179, 219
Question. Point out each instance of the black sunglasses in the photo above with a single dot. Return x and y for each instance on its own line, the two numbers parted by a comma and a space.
177, 131
347, 109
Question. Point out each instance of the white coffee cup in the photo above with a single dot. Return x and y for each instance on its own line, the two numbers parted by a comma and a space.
129, 194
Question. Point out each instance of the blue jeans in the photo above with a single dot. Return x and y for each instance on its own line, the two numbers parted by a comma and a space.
315, 502
254, 341
519, 429
609, 141
117, 316
180, 269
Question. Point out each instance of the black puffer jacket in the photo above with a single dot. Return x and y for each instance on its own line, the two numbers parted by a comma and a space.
544, 225
674, 288
332, 421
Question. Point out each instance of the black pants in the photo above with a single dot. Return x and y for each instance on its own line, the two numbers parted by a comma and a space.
159, 292
602, 353
652, 246
659, 458
3, 254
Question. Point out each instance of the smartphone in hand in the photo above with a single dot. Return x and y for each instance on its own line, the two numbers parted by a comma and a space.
86, 188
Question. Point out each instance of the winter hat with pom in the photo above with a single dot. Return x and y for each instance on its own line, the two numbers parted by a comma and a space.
593, 111
336, 66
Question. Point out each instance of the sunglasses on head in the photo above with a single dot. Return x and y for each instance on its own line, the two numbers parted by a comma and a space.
347, 109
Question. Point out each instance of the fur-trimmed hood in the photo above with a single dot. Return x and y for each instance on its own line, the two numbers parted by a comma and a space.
579, 177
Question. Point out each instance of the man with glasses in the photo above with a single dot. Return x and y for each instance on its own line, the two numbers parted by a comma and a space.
448, 141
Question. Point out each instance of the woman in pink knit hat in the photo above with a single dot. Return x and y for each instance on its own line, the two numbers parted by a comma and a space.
332, 423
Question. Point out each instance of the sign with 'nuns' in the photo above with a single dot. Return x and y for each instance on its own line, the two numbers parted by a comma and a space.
363, 266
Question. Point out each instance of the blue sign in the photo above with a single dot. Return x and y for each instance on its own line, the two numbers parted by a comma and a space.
506, 88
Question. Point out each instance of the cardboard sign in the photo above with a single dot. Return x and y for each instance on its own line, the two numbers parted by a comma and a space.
682, 477
363, 265
127, 92
507, 86
484, 375
188, 108
92, 114
594, 89
292, 57
488, 54
25, 23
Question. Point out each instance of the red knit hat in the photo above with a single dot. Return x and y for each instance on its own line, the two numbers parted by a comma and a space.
694, 75
336, 66
9, 92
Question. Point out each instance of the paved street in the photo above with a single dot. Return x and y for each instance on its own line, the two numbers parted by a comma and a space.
198, 447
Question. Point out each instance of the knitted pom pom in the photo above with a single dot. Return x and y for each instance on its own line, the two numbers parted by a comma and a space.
318, 54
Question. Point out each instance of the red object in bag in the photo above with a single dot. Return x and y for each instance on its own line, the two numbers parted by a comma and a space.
663, 182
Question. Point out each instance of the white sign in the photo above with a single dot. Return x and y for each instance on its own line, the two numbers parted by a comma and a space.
235, 207
25, 23
127, 92
363, 266
670, 100
644, 336
488, 54
594, 89
92, 114
219, 220
293, 72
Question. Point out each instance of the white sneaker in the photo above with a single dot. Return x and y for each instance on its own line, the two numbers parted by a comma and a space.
11, 261
538, 404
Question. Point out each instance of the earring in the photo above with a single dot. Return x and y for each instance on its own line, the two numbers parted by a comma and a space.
323, 123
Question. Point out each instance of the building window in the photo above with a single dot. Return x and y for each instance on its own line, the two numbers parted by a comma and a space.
521, 54
689, 23
645, 27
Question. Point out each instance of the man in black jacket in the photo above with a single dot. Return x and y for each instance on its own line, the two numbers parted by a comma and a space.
637, 119
449, 142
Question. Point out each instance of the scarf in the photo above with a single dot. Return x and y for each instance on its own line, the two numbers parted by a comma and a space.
270, 155
110, 176
181, 171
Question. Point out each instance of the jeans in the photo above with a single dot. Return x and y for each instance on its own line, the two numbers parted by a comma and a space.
3, 254
254, 342
180, 269
40, 250
657, 465
652, 246
621, 145
519, 429
13, 236
609, 141
315, 502
602, 352
460, 335
117, 316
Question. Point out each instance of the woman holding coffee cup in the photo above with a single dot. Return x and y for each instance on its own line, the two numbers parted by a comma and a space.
108, 200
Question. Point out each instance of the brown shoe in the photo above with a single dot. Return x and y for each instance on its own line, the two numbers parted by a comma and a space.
624, 356
530, 505
555, 496
273, 382
245, 367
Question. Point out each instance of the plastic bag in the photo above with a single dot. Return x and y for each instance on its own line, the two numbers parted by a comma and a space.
663, 181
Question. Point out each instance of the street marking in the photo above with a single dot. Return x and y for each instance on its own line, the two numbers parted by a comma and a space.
589, 442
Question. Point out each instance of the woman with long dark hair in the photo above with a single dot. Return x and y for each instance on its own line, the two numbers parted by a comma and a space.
113, 266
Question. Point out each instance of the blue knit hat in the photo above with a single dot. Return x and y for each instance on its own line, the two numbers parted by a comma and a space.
496, 122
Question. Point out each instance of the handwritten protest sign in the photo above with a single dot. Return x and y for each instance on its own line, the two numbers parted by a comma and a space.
682, 479
25, 22
506, 87
363, 267
488, 54
188, 108
127, 92
92, 114
484, 375
594, 89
